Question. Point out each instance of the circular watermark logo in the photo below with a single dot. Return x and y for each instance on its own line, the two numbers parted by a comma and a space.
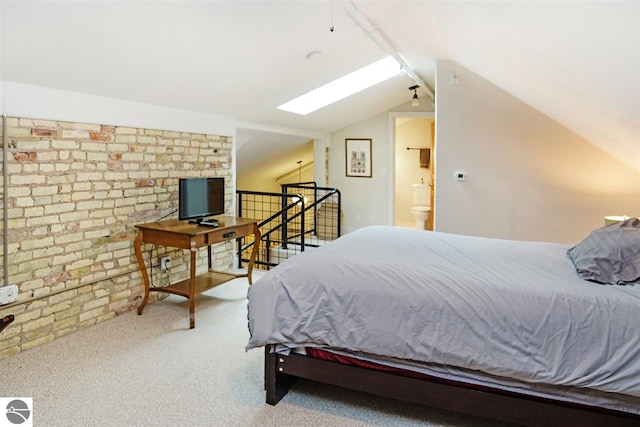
18, 411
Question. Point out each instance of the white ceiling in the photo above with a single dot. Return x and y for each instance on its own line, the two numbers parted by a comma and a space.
578, 62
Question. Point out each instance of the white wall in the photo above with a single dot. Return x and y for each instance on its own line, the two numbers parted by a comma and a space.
37, 102
365, 201
528, 177
320, 160
263, 179
369, 201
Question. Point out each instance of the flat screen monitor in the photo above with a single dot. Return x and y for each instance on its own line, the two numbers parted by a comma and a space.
200, 198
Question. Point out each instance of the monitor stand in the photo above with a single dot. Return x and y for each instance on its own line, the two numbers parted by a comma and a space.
206, 223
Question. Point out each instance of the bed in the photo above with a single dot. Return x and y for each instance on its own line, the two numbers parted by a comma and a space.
534, 333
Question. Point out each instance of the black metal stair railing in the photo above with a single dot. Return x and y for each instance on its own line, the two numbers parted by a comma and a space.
302, 216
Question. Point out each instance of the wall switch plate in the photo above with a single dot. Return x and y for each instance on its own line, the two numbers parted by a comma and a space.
165, 263
8, 294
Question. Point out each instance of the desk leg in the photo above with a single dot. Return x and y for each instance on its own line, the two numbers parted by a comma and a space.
192, 289
257, 237
137, 246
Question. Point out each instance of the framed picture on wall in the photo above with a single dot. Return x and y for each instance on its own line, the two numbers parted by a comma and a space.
358, 157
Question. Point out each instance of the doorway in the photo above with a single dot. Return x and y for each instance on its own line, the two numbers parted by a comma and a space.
413, 154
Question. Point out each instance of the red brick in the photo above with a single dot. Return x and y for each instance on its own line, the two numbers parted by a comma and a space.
97, 136
145, 183
43, 132
25, 156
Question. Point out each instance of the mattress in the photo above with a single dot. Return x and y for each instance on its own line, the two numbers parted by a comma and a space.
504, 309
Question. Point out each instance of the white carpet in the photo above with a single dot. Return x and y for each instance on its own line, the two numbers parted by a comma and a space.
151, 370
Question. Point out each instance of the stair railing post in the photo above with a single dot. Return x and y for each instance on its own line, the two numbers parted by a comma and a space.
284, 222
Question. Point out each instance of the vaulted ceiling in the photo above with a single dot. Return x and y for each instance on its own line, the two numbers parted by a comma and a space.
577, 62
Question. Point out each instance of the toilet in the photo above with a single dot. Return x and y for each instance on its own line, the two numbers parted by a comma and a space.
421, 209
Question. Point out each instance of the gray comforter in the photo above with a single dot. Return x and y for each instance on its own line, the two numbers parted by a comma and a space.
506, 308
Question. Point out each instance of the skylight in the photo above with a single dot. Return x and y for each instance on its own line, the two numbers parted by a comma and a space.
345, 86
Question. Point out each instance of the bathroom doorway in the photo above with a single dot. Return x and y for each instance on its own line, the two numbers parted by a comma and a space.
414, 155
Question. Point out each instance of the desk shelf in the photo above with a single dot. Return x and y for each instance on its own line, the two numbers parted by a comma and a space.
204, 282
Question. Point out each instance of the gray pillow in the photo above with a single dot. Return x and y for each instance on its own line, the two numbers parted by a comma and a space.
610, 255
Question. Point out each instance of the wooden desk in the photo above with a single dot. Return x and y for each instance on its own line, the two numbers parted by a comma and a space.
184, 235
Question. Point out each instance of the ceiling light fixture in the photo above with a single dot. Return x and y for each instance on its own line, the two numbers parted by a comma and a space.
344, 86
415, 102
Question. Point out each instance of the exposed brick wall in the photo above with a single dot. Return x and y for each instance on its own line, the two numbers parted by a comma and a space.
2, 119
75, 193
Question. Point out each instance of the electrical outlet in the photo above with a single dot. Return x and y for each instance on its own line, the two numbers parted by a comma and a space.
8, 294
165, 263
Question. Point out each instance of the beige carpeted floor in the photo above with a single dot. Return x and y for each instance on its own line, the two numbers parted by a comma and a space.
151, 370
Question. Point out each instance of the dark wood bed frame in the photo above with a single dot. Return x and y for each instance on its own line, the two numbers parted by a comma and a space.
282, 371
